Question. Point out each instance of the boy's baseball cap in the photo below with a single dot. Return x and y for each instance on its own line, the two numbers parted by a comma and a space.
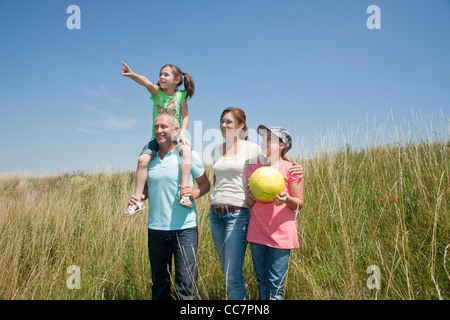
280, 132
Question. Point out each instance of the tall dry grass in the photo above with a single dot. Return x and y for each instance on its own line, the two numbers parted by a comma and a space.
50, 223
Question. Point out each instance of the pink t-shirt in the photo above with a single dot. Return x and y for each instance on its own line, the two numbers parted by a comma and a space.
271, 225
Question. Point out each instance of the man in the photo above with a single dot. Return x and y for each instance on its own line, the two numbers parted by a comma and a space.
172, 228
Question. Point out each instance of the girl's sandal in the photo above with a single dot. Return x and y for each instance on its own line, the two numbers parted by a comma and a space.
185, 201
130, 211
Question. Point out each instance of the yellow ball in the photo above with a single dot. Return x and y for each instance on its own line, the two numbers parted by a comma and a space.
266, 183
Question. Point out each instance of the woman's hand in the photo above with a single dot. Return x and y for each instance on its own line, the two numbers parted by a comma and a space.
297, 169
281, 198
249, 193
249, 197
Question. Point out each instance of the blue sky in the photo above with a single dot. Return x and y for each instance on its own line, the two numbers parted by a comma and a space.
304, 65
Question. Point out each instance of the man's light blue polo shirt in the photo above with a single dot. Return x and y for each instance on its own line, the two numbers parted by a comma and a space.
163, 177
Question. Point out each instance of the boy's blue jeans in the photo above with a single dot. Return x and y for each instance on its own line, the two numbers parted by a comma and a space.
229, 233
183, 246
270, 267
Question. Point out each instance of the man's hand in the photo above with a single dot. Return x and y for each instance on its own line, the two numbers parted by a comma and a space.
186, 191
203, 186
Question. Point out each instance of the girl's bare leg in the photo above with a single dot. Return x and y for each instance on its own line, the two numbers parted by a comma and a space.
141, 177
185, 171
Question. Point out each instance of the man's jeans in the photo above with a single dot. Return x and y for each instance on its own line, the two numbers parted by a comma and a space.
182, 244
229, 233
270, 267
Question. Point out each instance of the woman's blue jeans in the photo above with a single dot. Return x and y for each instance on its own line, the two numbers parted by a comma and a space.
270, 267
229, 233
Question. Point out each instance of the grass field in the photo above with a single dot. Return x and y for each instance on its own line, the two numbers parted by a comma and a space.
384, 206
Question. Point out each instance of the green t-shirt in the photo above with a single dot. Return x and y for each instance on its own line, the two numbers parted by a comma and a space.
165, 104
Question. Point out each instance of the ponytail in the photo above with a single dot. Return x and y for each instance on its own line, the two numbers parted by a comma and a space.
188, 85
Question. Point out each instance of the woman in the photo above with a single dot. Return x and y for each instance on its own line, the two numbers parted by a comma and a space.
229, 214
